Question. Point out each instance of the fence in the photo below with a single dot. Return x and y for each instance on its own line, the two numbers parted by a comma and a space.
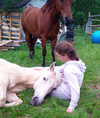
10, 27
90, 23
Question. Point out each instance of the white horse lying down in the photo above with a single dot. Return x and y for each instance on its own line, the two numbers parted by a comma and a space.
14, 78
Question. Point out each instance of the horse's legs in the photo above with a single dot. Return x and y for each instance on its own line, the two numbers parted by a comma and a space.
43, 50
28, 37
32, 44
53, 43
13, 99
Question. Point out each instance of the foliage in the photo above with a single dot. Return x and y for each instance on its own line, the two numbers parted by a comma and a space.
80, 15
84, 6
10, 5
89, 103
78, 7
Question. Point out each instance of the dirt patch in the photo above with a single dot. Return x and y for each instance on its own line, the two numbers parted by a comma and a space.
97, 86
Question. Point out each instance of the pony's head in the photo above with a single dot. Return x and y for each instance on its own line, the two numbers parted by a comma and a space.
66, 11
48, 81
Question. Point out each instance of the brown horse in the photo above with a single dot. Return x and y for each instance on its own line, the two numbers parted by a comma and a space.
44, 23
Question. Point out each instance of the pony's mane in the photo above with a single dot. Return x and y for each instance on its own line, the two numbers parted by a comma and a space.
49, 5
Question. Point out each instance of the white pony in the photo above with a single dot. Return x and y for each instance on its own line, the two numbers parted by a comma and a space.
14, 78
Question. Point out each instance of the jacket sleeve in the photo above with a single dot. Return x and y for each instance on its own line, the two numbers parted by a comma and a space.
73, 84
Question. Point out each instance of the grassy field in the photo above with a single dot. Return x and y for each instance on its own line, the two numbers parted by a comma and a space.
89, 103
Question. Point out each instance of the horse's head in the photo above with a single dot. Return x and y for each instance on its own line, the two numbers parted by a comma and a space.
65, 6
45, 84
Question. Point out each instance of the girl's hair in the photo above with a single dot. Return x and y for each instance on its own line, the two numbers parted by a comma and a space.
65, 47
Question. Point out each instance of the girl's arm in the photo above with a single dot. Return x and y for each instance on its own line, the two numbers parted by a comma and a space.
72, 80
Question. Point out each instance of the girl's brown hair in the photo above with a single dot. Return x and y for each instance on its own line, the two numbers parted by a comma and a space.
65, 47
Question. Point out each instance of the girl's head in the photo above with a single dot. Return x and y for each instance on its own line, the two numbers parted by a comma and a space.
64, 47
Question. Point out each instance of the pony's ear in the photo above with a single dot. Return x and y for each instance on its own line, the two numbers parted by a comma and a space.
52, 66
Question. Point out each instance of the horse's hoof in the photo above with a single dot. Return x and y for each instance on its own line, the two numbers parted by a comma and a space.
32, 53
30, 56
43, 65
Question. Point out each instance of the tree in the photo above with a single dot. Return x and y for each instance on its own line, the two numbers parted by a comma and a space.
81, 8
10, 5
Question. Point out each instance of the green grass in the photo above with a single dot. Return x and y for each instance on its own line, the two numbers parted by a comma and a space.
89, 103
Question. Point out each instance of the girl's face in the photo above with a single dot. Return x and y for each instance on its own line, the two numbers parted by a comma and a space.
64, 58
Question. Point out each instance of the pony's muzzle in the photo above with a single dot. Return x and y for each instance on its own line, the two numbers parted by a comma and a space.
35, 101
67, 21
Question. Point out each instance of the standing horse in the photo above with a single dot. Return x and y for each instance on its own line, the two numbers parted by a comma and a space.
44, 23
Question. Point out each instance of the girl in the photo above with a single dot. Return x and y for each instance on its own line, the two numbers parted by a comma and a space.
72, 75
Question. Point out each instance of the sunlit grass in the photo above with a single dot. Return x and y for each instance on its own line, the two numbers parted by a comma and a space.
89, 103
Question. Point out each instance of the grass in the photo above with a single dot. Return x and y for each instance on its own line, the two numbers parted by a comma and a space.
89, 103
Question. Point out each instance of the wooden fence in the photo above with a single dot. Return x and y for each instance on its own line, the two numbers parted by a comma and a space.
10, 27
89, 23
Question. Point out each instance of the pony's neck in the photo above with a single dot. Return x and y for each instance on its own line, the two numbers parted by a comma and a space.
31, 77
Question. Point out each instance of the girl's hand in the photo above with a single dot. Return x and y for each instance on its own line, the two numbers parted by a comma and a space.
69, 110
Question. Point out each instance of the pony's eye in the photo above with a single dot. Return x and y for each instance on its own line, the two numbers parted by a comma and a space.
44, 78
61, 0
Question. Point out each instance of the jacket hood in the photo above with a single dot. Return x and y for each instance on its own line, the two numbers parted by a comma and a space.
79, 64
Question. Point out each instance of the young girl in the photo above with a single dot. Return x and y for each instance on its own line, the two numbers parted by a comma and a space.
72, 75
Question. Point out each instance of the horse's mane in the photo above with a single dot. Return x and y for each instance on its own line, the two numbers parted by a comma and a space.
49, 5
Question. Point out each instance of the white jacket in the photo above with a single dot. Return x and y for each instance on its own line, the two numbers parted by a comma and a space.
72, 78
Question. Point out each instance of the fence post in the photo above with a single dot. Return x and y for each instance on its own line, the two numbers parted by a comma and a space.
20, 27
10, 27
89, 25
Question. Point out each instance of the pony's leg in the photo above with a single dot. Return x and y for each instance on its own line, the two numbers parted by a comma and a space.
53, 43
3, 89
43, 50
2, 95
13, 99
